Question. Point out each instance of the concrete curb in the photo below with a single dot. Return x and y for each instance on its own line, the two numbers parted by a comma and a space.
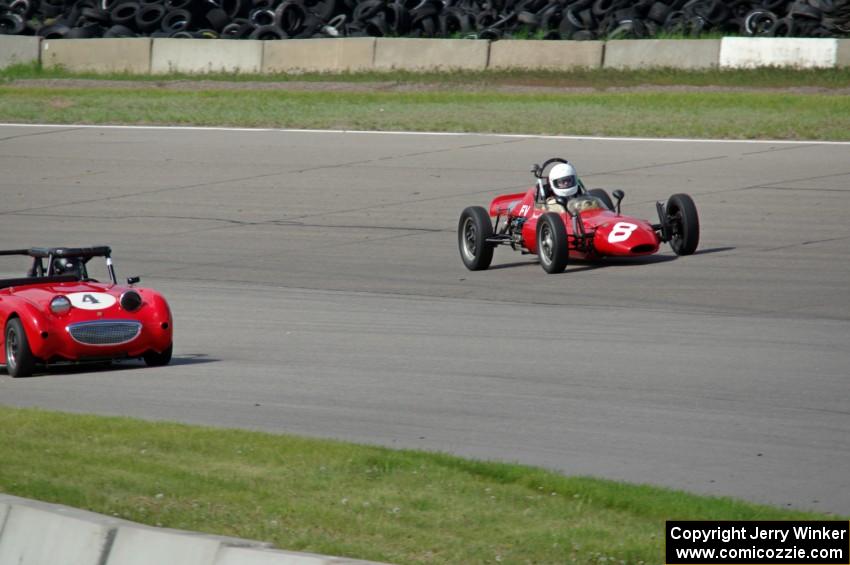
40, 533
319, 55
552, 55
206, 56
842, 57
199, 56
15, 49
414, 54
126, 55
685, 54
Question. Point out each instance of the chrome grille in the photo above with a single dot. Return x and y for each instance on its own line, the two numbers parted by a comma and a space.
105, 333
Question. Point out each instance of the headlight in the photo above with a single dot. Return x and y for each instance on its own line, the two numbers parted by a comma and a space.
60, 305
131, 301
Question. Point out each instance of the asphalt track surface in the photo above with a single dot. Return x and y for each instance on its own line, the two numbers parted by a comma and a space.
317, 289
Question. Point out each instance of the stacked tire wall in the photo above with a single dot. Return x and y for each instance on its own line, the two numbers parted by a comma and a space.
481, 19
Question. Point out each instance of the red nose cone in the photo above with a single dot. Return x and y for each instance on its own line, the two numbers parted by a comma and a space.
626, 237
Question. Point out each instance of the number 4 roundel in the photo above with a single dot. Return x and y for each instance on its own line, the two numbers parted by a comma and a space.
91, 300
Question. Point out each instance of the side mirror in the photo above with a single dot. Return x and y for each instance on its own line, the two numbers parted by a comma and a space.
133, 280
618, 194
535, 170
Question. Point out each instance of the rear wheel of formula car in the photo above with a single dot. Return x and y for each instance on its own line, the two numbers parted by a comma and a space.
154, 359
684, 224
552, 243
19, 359
603, 195
473, 230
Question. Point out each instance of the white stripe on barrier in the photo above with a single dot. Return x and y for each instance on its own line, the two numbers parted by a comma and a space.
434, 133
798, 53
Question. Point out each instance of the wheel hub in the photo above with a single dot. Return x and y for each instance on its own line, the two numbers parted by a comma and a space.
11, 349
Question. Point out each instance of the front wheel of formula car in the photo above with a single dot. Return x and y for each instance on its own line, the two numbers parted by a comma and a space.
154, 359
603, 195
684, 224
552, 243
19, 359
473, 229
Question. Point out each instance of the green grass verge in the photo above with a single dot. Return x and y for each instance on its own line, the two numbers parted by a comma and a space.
342, 499
590, 78
652, 114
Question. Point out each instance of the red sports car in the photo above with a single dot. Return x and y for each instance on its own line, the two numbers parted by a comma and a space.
586, 226
59, 314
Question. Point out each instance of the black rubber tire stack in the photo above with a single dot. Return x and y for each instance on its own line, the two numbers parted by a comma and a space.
481, 19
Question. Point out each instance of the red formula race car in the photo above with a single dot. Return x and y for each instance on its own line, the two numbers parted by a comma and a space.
586, 225
58, 314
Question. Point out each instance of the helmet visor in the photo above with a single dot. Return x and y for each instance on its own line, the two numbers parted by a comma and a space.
564, 182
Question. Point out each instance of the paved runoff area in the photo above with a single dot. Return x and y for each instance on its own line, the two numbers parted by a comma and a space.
317, 289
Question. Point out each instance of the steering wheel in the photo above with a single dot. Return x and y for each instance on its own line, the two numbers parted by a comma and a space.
537, 170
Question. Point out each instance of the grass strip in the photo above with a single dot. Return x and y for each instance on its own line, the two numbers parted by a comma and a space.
342, 499
738, 115
770, 77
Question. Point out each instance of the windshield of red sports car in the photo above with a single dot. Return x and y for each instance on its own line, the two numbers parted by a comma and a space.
84, 268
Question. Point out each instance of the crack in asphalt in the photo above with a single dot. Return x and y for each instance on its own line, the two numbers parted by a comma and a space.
281, 223
802, 145
63, 130
140, 193
254, 177
809, 242
656, 165
405, 155
839, 190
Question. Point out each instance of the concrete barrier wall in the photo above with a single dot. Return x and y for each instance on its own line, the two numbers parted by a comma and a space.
126, 55
206, 56
800, 53
551, 55
842, 56
157, 56
4, 510
140, 546
686, 54
34, 536
15, 50
412, 54
38, 533
319, 55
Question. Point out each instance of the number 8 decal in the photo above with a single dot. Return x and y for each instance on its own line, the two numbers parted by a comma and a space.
621, 232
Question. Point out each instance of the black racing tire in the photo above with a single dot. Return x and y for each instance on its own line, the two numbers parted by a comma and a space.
11, 24
124, 14
268, 33
473, 229
684, 224
19, 358
603, 195
119, 31
154, 359
53, 31
552, 244
85, 32
176, 20
236, 30
149, 17
217, 18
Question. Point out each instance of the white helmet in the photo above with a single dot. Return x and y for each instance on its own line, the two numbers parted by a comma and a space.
563, 180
